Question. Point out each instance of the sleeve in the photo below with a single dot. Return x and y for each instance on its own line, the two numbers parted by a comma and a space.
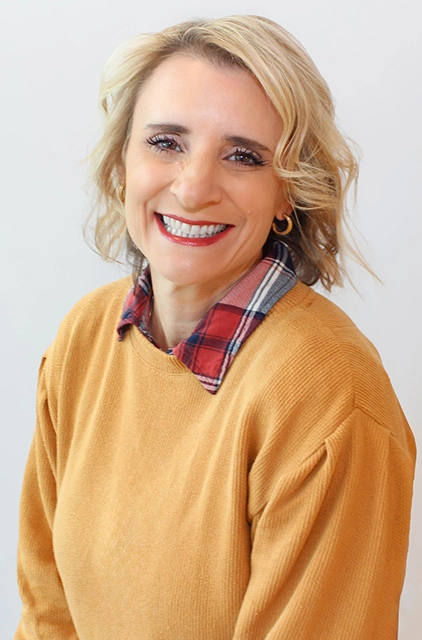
45, 613
329, 541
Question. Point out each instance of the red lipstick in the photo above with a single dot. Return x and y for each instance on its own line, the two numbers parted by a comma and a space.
192, 242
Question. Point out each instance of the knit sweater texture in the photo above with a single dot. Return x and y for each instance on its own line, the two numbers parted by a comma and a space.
277, 508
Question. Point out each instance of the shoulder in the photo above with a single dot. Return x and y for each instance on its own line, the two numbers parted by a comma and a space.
308, 327
96, 309
316, 356
91, 322
102, 302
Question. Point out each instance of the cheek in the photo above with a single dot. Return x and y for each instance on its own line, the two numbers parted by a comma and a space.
263, 195
139, 186
136, 219
146, 170
140, 191
134, 230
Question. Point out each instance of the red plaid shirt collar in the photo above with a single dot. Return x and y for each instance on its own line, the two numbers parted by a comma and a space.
210, 349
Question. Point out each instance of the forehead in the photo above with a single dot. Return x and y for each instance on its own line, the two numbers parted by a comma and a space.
183, 86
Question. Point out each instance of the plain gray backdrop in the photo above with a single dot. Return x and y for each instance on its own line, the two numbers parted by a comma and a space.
52, 56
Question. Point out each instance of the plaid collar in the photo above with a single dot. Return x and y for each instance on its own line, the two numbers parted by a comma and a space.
210, 349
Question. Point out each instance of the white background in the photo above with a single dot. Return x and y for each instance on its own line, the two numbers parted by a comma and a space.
52, 56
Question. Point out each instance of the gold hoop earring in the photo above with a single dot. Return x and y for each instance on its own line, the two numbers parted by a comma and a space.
121, 192
286, 230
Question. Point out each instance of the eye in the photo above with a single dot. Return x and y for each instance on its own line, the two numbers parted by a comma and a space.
247, 158
163, 143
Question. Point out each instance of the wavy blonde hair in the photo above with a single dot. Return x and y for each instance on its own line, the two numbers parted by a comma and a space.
312, 158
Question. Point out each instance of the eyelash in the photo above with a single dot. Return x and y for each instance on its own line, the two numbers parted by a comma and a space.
155, 141
251, 155
158, 141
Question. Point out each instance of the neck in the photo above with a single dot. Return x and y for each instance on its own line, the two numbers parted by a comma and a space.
175, 315
178, 309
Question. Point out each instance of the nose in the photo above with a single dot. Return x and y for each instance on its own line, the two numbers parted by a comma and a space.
196, 184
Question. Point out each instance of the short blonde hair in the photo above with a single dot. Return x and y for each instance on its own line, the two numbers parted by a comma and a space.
312, 158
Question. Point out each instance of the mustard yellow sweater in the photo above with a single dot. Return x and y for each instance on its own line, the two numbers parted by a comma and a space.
277, 509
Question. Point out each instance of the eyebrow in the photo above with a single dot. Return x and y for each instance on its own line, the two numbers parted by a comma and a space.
239, 141
168, 127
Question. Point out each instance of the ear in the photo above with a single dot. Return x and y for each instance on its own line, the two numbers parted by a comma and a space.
285, 211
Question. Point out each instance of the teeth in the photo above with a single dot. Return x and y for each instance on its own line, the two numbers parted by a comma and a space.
177, 228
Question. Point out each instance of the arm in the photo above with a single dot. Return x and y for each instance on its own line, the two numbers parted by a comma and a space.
45, 613
329, 540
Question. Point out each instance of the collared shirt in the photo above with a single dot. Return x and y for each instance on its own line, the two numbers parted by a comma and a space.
209, 351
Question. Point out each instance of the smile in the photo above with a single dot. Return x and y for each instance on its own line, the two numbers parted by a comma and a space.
183, 230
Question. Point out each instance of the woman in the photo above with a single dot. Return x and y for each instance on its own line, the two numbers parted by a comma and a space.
232, 463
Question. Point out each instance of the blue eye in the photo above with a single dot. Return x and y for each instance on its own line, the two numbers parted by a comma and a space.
163, 143
247, 158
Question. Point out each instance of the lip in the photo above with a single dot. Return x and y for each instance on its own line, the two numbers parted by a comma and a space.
192, 242
186, 221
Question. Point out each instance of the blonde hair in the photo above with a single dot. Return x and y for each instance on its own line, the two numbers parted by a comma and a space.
312, 157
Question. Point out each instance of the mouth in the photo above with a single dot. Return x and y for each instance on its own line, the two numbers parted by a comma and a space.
183, 230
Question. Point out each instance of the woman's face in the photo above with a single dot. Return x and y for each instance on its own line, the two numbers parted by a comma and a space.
201, 193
